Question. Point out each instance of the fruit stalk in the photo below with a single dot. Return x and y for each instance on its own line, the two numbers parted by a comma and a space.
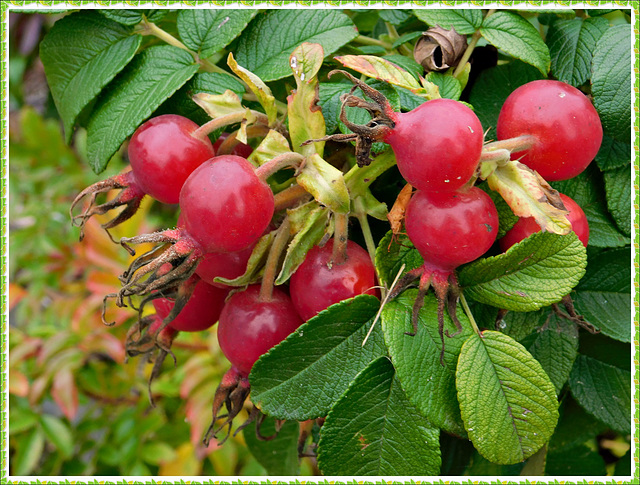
271, 266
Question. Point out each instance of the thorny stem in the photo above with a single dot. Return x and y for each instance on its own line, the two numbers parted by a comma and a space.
289, 197
271, 266
517, 144
225, 120
289, 159
467, 311
472, 45
340, 237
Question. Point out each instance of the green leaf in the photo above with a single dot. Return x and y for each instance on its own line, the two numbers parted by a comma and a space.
28, 453
587, 189
58, 433
21, 419
575, 427
617, 185
603, 296
533, 273
254, 265
571, 44
519, 325
613, 154
157, 452
325, 183
329, 102
152, 76
305, 119
580, 460
279, 456
492, 88
81, 54
514, 35
408, 100
265, 45
596, 12
611, 81
373, 430
508, 404
133, 17
271, 146
390, 256
448, 85
307, 235
464, 21
214, 83
604, 390
404, 38
208, 31
395, 16
317, 363
429, 385
555, 346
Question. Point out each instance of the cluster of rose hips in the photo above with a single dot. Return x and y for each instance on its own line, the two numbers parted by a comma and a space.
226, 206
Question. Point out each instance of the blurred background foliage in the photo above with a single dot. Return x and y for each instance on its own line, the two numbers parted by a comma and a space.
76, 406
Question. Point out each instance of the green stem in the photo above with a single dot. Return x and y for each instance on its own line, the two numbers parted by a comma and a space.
364, 40
366, 229
226, 120
149, 28
271, 266
467, 310
472, 45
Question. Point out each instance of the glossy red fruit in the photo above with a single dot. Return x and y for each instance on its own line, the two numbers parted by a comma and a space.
241, 149
318, 283
451, 229
563, 121
437, 145
201, 311
163, 152
225, 206
221, 265
249, 327
527, 225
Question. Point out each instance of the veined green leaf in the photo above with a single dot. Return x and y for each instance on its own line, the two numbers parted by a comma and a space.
318, 362
429, 385
152, 76
533, 273
464, 21
81, 54
508, 404
366, 431
265, 46
514, 35
207, 31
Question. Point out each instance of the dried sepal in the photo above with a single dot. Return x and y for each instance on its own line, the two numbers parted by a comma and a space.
439, 49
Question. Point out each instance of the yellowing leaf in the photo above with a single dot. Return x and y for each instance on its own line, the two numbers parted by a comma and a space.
217, 105
382, 69
258, 87
325, 183
271, 146
529, 195
306, 121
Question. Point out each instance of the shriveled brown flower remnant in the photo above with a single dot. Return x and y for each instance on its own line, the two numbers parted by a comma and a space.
439, 49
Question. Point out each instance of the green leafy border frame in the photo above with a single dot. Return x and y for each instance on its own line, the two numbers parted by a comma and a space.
7, 6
